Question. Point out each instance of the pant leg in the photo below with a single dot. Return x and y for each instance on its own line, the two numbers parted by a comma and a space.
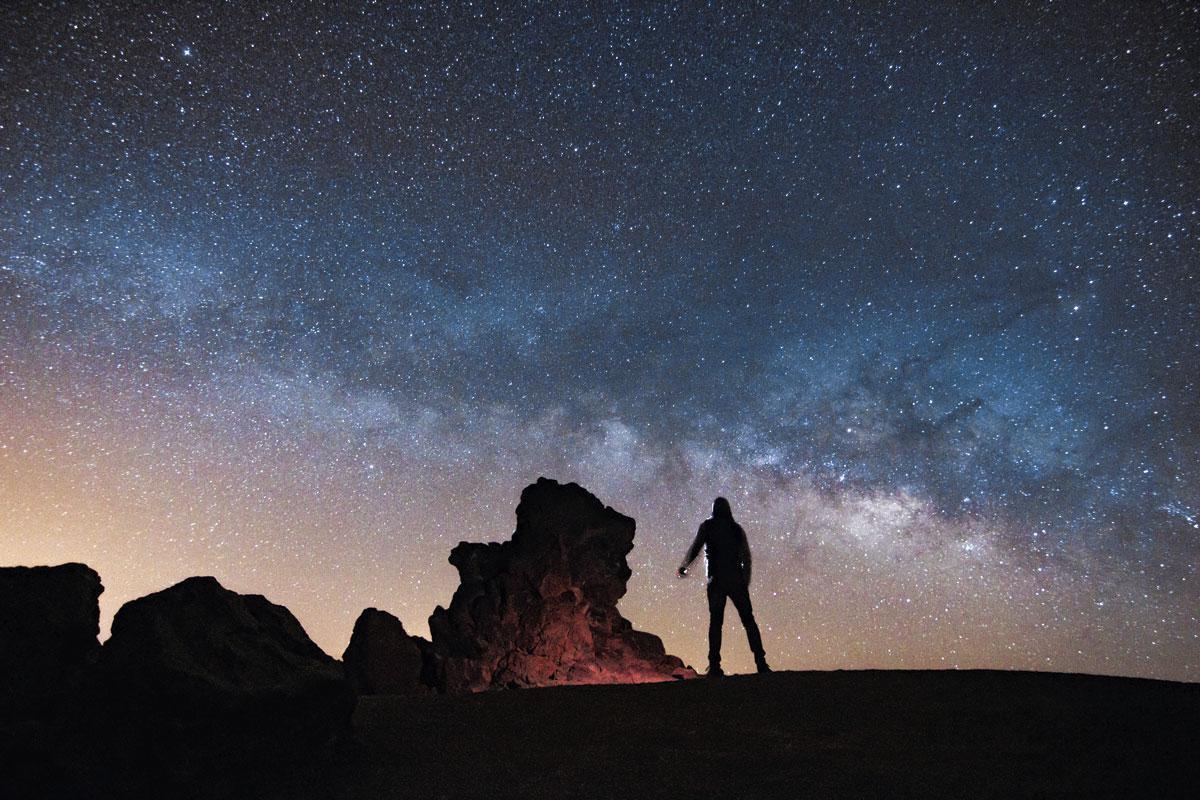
740, 595
716, 616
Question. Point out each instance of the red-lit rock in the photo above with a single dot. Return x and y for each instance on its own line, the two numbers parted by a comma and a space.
541, 609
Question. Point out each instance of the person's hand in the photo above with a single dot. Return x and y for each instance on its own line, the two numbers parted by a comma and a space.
681, 573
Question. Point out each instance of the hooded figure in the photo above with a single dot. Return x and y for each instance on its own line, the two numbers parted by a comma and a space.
728, 556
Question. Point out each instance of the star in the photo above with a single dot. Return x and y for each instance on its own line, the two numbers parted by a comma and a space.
307, 320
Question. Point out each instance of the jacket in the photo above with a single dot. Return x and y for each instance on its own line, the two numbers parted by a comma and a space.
725, 550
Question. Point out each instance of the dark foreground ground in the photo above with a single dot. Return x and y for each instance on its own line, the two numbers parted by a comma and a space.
792, 734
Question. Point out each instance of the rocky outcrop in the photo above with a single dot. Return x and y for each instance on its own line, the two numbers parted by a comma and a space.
383, 658
198, 677
541, 609
49, 623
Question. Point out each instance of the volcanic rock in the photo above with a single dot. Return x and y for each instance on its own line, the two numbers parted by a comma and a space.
198, 678
49, 623
382, 658
541, 608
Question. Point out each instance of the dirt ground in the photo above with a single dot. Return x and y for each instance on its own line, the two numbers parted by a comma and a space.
792, 734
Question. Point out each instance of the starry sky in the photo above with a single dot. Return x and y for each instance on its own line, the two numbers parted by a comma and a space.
300, 296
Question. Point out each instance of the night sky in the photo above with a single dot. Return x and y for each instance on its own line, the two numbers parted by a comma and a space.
300, 297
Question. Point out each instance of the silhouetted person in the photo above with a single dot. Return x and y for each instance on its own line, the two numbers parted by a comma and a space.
728, 555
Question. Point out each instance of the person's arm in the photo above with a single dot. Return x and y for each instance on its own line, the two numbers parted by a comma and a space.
744, 546
692, 552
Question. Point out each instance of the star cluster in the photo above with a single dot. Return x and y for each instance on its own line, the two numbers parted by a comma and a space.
302, 295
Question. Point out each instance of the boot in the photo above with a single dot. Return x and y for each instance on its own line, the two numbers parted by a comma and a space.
763, 666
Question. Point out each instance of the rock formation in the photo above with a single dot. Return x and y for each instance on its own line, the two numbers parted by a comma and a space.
199, 684
541, 609
199, 677
382, 658
49, 623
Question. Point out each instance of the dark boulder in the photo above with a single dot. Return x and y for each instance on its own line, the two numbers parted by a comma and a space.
382, 658
197, 679
49, 623
541, 608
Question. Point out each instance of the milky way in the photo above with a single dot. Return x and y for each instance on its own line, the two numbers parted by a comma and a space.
300, 297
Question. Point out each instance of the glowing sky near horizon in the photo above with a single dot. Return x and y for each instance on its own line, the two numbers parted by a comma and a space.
300, 297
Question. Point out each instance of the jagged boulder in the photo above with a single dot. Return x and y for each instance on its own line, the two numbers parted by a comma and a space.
382, 658
49, 623
198, 678
541, 608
